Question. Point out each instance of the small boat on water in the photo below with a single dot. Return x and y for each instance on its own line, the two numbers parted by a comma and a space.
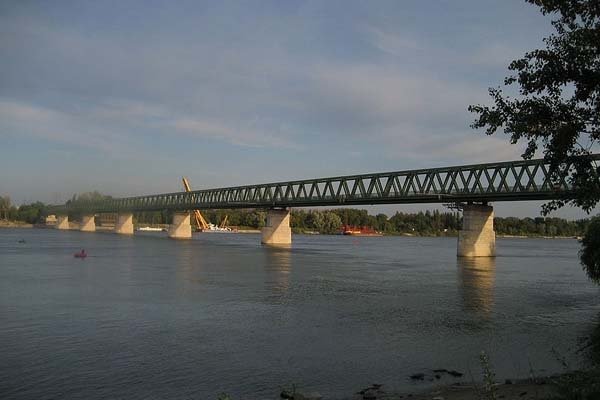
359, 231
81, 254
149, 229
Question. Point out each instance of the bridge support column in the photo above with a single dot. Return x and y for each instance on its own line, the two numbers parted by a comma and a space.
477, 237
87, 223
181, 228
277, 231
62, 222
124, 224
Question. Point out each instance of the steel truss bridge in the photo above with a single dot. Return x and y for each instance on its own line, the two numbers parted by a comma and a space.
503, 181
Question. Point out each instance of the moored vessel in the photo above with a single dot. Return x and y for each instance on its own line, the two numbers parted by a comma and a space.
150, 229
359, 231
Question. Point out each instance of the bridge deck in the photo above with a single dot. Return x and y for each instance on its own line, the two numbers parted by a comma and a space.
504, 181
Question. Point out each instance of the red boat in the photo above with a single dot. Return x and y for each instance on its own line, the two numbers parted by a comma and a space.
81, 254
359, 231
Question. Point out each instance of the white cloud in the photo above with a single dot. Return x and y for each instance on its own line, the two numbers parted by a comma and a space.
495, 55
200, 128
128, 110
391, 43
107, 126
408, 115
19, 119
393, 94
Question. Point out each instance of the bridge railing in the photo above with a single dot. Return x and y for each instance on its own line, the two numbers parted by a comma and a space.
513, 180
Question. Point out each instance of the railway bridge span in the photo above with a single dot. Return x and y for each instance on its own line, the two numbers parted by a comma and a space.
471, 188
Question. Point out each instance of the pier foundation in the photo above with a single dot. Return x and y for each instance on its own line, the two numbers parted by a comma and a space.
477, 237
124, 224
277, 231
87, 223
181, 228
62, 222
50, 220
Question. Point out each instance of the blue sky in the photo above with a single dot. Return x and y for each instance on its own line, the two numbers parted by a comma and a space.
125, 97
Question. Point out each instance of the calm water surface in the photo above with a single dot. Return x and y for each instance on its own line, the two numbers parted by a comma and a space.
145, 317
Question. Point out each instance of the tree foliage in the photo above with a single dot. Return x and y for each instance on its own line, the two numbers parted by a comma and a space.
558, 105
5, 206
590, 250
30, 213
81, 200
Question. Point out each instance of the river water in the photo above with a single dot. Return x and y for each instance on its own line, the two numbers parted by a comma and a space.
146, 317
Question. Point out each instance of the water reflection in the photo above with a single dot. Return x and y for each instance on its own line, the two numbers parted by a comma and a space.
278, 269
476, 277
186, 257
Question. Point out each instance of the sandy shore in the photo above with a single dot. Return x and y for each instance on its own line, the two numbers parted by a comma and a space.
14, 224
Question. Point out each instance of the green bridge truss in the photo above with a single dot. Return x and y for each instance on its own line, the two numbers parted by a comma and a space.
504, 181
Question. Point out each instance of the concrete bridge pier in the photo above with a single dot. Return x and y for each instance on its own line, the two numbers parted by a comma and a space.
87, 223
477, 237
180, 228
62, 222
277, 231
124, 224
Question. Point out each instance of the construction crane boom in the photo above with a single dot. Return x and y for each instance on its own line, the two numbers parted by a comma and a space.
200, 221
224, 222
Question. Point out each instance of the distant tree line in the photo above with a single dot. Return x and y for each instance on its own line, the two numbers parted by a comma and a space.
540, 226
254, 219
29, 213
37, 212
428, 223
84, 198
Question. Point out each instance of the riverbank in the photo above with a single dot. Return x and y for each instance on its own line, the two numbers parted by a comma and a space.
247, 229
439, 234
543, 389
581, 385
540, 389
14, 224
75, 226
537, 237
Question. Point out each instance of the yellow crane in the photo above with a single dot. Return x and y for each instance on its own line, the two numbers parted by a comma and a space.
224, 222
200, 221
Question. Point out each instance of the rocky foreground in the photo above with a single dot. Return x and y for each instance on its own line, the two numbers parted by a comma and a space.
522, 390
580, 385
